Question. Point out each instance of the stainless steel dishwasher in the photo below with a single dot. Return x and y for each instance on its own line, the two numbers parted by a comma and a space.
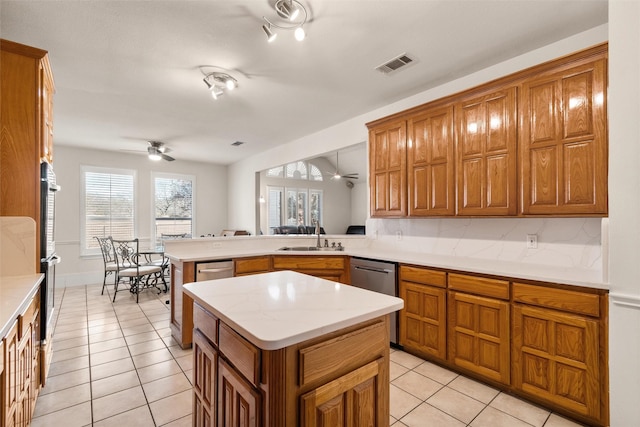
213, 270
377, 276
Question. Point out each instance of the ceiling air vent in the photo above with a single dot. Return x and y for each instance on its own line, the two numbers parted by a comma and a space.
237, 143
395, 64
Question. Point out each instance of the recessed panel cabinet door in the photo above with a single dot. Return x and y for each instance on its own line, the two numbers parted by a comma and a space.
239, 404
564, 142
388, 170
486, 154
204, 381
430, 163
555, 358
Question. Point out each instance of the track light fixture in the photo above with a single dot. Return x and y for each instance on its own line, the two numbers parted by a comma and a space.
294, 15
218, 83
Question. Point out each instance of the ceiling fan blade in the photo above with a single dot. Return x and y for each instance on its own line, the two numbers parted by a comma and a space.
167, 158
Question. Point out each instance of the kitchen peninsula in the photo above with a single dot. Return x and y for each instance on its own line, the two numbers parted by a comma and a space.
288, 349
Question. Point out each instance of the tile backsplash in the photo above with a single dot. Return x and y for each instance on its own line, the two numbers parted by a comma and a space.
562, 242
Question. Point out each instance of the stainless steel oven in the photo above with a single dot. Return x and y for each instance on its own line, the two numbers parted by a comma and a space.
377, 276
48, 256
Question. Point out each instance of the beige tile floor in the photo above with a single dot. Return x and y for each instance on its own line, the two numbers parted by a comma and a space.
117, 365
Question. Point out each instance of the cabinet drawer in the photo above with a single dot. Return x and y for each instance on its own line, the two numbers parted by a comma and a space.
27, 316
493, 288
308, 262
423, 275
323, 359
252, 265
206, 322
560, 299
244, 355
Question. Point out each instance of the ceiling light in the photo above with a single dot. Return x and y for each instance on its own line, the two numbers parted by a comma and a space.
271, 36
294, 15
218, 82
154, 154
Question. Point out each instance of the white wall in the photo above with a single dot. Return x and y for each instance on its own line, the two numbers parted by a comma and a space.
624, 206
210, 204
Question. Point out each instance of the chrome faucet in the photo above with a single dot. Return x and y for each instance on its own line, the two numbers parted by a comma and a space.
317, 233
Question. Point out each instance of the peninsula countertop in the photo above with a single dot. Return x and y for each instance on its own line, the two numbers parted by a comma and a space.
278, 309
15, 293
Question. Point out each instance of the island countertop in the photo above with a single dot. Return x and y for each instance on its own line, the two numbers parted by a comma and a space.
278, 309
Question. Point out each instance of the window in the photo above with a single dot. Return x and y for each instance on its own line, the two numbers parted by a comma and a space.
296, 170
108, 206
172, 205
293, 207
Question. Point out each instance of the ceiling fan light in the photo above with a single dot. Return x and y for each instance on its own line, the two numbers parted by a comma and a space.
271, 36
154, 154
299, 34
230, 83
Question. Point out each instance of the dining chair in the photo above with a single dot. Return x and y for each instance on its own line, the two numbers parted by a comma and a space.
129, 266
108, 258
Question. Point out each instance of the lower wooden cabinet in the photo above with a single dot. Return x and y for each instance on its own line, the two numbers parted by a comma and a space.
341, 378
423, 320
10, 402
251, 265
334, 268
479, 335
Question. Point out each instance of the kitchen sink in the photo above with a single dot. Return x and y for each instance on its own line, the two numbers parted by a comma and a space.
310, 248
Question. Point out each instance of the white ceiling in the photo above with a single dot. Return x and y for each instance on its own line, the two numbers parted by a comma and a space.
129, 71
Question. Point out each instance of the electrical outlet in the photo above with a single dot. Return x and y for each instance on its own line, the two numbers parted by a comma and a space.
399, 235
532, 241
217, 244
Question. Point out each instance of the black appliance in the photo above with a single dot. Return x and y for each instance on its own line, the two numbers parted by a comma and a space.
48, 256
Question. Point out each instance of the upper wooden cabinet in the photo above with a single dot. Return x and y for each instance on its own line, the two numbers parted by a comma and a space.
431, 163
564, 141
388, 169
486, 154
531, 143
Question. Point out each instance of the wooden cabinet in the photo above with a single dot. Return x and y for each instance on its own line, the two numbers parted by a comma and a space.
423, 320
564, 140
479, 331
531, 143
21, 379
486, 155
181, 322
251, 265
388, 169
333, 267
430, 162
556, 351
341, 378
25, 118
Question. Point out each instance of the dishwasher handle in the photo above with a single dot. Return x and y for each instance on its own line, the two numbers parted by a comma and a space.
215, 270
373, 269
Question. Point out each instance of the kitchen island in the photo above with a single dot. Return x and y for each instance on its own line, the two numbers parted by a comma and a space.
288, 349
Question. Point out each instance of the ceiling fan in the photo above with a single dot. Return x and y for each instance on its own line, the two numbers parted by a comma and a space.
157, 150
338, 175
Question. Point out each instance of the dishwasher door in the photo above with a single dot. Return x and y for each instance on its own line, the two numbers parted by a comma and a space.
214, 270
377, 276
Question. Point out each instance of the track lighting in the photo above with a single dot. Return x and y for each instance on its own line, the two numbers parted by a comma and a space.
218, 82
293, 13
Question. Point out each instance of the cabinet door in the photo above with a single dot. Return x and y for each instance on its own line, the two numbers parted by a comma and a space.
388, 170
555, 358
11, 377
177, 280
486, 154
205, 365
423, 323
46, 111
348, 401
430, 163
239, 404
479, 335
564, 142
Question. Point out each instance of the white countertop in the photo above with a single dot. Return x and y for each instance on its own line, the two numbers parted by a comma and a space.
15, 294
195, 251
278, 309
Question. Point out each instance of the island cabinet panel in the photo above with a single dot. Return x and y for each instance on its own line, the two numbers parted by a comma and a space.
10, 403
334, 268
423, 320
340, 378
252, 265
388, 169
486, 154
181, 304
430, 163
564, 141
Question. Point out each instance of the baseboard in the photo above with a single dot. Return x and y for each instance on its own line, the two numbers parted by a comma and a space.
80, 279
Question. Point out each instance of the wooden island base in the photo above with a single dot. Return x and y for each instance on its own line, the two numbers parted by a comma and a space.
340, 378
